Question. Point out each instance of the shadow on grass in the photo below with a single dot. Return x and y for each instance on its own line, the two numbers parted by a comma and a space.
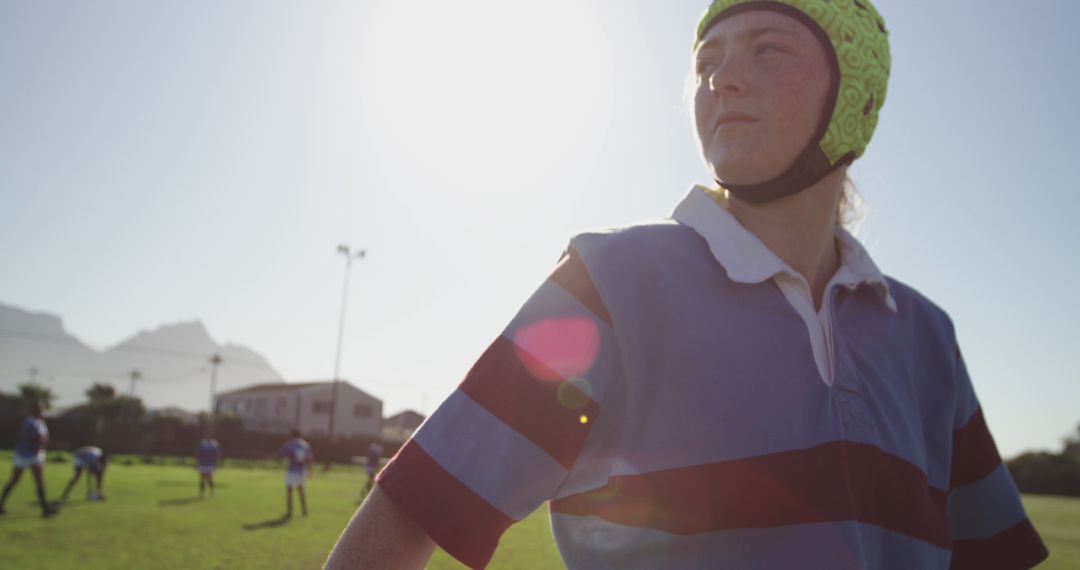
269, 523
179, 502
70, 503
193, 483
54, 504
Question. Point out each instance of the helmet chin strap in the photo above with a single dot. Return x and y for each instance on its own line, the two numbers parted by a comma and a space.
809, 168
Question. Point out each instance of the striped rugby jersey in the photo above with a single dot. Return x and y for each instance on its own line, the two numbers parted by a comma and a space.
675, 418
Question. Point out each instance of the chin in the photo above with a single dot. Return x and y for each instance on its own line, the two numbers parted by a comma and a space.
736, 175
743, 170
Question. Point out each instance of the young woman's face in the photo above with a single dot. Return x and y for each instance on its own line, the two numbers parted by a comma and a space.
762, 79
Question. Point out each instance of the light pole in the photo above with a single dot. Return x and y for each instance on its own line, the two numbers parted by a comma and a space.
345, 250
211, 416
135, 377
130, 407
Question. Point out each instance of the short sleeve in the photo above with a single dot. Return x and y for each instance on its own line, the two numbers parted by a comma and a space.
987, 521
508, 436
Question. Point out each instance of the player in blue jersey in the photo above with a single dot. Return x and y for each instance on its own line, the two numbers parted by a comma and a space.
207, 455
93, 460
371, 465
30, 453
298, 455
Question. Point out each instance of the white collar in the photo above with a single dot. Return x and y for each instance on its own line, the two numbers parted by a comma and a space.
746, 259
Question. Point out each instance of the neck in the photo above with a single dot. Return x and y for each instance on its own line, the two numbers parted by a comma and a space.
799, 229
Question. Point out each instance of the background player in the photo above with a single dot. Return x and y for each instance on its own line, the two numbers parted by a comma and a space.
93, 460
371, 465
207, 455
297, 453
30, 452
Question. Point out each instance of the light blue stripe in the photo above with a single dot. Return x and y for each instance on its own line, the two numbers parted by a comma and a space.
985, 507
489, 457
966, 401
591, 543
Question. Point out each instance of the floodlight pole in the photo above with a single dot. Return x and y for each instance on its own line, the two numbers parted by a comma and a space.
130, 406
135, 376
349, 255
211, 416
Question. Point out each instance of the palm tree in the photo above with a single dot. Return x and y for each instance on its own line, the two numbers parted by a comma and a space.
30, 393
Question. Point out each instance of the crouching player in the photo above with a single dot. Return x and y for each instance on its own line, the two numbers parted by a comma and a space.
93, 460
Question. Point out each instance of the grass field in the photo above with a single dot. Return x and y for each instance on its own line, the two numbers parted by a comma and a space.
154, 519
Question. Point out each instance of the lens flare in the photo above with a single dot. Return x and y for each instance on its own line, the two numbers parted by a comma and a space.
574, 393
558, 348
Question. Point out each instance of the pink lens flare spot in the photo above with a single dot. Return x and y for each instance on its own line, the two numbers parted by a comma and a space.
554, 349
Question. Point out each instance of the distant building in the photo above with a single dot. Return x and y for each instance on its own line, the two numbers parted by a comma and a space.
399, 427
280, 407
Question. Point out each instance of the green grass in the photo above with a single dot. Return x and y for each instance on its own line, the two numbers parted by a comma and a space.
153, 518
1058, 521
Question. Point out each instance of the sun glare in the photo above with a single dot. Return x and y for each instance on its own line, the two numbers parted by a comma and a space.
479, 86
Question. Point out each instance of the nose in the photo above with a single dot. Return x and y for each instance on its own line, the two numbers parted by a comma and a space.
727, 77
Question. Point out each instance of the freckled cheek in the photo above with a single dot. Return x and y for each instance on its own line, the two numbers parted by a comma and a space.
799, 106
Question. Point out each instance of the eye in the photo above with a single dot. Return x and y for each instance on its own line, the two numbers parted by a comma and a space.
705, 66
768, 49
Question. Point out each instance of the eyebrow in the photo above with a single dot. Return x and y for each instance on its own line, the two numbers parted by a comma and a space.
751, 34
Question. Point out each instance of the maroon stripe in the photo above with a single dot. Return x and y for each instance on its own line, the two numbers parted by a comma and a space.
461, 522
974, 454
532, 399
1016, 548
835, 481
572, 276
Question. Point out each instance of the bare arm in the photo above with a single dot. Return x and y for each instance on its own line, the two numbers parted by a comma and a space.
381, 536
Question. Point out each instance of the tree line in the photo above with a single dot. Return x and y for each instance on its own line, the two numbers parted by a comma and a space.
1049, 473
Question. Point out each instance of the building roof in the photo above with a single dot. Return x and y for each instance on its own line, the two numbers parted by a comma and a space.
271, 387
407, 419
282, 388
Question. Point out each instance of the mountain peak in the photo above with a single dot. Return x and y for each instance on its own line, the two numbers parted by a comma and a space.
173, 361
33, 323
189, 336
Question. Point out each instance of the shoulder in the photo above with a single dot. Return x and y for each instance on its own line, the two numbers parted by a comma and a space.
926, 315
649, 236
639, 252
617, 270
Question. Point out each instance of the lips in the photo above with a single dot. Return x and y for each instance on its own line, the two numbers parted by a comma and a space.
732, 118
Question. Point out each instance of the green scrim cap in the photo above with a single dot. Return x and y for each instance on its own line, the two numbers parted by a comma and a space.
860, 42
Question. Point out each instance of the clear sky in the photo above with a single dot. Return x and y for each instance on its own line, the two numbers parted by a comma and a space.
163, 162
